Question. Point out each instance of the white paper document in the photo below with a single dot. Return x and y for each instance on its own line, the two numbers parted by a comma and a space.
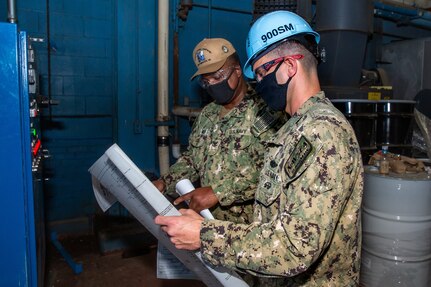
170, 267
116, 177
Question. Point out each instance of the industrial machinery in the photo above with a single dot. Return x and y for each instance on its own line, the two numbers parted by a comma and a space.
22, 250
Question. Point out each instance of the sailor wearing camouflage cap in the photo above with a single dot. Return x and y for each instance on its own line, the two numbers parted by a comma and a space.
306, 229
225, 151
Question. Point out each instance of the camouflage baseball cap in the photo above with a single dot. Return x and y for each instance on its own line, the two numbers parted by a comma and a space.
211, 54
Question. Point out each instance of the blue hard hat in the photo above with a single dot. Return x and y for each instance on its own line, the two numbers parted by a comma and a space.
272, 28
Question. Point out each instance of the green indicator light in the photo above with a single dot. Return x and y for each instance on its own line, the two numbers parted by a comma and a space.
33, 132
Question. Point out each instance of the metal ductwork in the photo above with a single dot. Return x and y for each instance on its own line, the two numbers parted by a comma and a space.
344, 27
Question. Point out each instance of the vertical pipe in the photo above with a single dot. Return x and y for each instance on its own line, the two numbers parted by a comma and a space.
176, 69
176, 141
11, 11
138, 92
209, 17
48, 48
162, 85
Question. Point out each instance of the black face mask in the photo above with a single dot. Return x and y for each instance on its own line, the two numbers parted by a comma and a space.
221, 92
272, 93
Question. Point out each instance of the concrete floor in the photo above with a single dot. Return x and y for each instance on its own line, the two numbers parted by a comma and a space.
110, 270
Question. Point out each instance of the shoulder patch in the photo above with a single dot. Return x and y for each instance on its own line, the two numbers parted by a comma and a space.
300, 153
264, 120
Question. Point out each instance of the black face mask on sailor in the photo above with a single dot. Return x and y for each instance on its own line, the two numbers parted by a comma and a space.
272, 93
221, 92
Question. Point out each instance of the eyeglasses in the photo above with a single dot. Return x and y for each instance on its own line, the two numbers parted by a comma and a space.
264, 68
218, 76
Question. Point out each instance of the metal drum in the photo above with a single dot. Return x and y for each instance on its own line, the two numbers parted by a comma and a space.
362, 115
394, 122
396, 225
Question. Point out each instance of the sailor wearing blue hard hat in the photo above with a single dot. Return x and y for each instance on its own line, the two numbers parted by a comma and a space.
267, 34
272, 28
306, 229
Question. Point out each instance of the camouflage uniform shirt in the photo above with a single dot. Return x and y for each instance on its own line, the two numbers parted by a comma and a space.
307, 226
227, 154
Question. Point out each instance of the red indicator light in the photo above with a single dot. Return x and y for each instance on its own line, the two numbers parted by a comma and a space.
36, 147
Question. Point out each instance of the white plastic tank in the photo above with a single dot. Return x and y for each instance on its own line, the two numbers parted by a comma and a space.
396, 224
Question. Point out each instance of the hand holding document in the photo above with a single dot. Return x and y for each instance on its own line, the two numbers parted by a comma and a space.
185, 186
116, 177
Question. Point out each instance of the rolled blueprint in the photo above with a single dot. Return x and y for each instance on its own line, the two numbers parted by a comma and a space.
116, 177
185, 186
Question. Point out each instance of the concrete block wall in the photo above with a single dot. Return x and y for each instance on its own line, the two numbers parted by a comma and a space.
81, 126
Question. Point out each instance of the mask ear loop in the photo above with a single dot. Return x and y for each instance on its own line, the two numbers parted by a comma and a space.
236, 68
275, 74
294, 57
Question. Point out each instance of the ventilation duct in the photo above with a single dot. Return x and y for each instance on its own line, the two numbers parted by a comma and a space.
344, 27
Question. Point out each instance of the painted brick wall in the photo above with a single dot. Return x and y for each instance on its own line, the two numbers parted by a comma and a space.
103, 76
80, 127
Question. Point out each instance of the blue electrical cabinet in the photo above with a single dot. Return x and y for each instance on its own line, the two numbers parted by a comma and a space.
22, 239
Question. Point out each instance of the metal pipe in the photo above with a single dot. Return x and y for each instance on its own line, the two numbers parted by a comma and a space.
209, 18
220, 8
176, 87
76, 267
185, 7
11, 11
411, 12
421, 22
176, 68
414, 16
137, 124
162, 85
186, 111
48, 50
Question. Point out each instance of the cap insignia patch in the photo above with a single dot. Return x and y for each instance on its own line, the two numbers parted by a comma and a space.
200, 56
225, 49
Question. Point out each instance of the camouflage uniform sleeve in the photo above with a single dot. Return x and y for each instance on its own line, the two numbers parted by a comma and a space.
301, 209
228, 195
184, 167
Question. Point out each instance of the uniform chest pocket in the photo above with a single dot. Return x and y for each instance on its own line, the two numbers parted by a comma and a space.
201, 136
198, 140
206, 142
238, 139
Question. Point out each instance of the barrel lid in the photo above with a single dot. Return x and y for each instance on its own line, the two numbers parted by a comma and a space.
374, 171
353, 101
397, 101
